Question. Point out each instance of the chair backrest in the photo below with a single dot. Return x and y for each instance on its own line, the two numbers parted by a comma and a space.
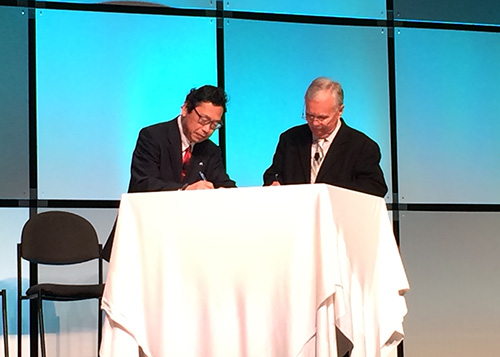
57, 238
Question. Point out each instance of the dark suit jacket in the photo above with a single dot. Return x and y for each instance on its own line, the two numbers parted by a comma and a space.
351, 162
157, 164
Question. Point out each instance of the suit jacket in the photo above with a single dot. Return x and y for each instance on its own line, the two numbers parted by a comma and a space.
157, 164
351, 162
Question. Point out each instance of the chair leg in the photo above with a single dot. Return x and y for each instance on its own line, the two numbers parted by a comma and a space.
19, 303
4, 318
40, 320
19, 326
99, 327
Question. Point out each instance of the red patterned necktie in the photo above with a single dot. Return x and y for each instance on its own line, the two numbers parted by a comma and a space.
186, 159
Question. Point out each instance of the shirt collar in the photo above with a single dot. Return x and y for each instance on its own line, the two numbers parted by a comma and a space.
184, 140
329, 138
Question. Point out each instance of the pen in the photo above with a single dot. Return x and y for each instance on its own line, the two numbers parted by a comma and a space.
202, 175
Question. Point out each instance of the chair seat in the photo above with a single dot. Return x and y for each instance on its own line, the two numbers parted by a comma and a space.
59, 292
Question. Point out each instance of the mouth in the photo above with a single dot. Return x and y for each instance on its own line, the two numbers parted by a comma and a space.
197, 137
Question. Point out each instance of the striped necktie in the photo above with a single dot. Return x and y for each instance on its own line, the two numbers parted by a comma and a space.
317, 159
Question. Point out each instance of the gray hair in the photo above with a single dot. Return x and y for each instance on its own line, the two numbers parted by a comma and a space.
324, 83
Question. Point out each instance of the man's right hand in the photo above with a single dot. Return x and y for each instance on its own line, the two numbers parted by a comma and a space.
200, 185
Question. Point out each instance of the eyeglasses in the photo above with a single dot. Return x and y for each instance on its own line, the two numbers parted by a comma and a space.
320, 117
312, 117
203, 120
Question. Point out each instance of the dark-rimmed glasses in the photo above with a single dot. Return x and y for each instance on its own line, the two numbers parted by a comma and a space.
203, 120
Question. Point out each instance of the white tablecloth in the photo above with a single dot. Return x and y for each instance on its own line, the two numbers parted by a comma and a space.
263, 271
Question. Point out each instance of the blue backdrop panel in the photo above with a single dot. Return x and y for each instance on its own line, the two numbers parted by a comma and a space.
14, 174
448, 116
268, 73
101, 77
458, 11
187, 4
360, 9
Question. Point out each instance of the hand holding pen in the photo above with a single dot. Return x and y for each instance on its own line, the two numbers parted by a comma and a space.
276, 181
202, 184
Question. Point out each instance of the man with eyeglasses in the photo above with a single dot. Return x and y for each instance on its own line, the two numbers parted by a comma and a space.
176, 155
157, 162
326, 149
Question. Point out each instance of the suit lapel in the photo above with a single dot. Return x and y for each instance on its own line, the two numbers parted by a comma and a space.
304, 153
174, 147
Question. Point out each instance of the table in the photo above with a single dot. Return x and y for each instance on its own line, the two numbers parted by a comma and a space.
299, 270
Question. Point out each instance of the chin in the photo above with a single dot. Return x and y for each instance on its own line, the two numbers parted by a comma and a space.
199, 139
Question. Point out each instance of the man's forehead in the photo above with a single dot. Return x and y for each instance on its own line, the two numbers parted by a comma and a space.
320, 105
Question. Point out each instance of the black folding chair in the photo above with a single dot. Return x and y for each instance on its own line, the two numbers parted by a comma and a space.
58, 238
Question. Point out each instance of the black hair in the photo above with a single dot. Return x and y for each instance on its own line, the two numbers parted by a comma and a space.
207, 93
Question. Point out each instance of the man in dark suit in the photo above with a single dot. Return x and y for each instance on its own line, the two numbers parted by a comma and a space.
158, 156
326, 150
176, 155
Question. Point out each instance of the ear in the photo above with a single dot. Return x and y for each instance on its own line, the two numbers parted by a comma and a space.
184, 110
341, 110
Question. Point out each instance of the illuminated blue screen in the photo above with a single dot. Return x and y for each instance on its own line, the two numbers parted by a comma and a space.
101, 77
203, 4
360, 9
448, 116
268, 73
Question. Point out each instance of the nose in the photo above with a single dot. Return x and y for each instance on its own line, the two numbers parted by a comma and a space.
206, 129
